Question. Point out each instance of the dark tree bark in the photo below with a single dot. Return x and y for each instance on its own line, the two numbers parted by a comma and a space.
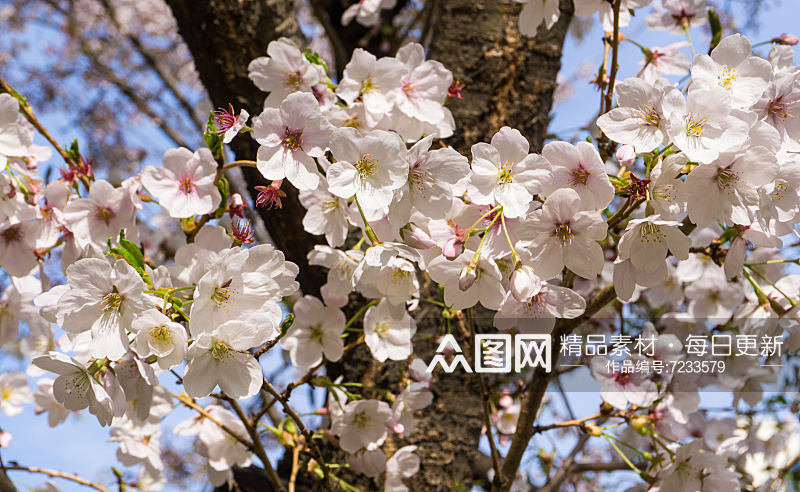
509, 81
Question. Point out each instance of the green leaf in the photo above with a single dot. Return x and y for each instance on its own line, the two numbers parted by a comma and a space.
213, 141
121, 254
133, 249
73, 151
224, 190
131, 253
313, 57
287, 323
716, 29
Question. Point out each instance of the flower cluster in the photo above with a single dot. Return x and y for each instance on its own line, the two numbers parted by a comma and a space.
687, 226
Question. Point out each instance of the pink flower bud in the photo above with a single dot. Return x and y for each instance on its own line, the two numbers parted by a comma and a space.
416, 237
626, 155
453, 248
786, 39
525, 283
467, 277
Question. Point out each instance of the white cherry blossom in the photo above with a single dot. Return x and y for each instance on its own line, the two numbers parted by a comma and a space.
185, 185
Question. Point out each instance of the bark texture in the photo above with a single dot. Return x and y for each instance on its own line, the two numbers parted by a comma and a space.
509, 81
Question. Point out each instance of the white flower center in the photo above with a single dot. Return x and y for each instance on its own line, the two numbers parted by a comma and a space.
220, 350
366, 166
224, 297
361, 420
564, 234
726, 77
649, 115
651, 233
112, 301
695, 125
161, 335
505, 173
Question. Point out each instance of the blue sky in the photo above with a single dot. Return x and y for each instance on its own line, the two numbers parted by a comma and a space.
80, 446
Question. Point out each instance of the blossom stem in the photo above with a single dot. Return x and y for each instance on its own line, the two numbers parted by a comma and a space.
359, 313
763, 298
483, 217
240, 163
796, 261
765, 279
623, 456
373, 238
477, 254
689, 38
514, 256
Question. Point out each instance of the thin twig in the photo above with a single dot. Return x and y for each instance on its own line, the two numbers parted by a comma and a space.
614, 56
487, 419
537, 388
152, 62
27, 111
300, 425
187, 400
58, 474
295, 467
258, 446
339, 53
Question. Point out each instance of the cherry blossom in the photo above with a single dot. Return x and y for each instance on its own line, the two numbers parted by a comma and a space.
369, 167
559, 235
289, 138
284, 71
317, 330
503, 172
185, 186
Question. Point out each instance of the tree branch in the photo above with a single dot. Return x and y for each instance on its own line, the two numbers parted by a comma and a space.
537, 388
57, 474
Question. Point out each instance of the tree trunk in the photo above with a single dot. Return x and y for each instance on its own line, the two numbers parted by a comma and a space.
509, 80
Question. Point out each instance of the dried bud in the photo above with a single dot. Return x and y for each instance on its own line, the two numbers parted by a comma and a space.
467, 277
242, 231
270, 196
626, 155
454, 91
